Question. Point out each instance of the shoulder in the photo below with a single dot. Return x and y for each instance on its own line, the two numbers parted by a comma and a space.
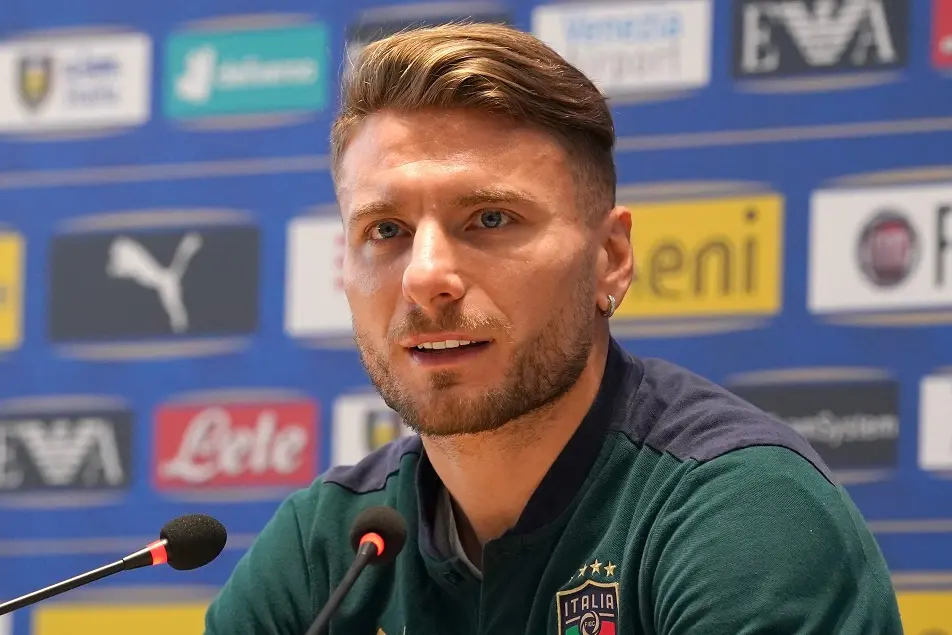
757, 524
324, 510
373, 472
678, 412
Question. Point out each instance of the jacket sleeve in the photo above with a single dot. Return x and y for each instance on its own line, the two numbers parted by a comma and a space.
758, 541
274, 587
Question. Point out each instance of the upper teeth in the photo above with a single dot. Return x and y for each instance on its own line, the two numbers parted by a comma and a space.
444, 344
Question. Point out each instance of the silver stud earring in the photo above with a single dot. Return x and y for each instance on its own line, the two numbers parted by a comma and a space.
611, 307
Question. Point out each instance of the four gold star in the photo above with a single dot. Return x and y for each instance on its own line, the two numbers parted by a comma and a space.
596, 566
610, 569
581, 571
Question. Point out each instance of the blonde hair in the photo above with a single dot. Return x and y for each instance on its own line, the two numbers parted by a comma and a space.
491, 68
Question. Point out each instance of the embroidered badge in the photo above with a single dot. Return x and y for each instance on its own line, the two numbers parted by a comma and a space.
591, 608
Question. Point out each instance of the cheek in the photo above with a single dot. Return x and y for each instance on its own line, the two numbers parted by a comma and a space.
370, 290
530, 290
559, 270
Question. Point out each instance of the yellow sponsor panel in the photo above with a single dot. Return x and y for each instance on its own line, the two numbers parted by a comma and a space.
706, 258
120, 619
11, 290
926, 612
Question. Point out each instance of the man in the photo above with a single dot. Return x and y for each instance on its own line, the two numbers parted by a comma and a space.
558, 485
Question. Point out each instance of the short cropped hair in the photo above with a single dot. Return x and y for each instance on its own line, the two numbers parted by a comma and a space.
490, 68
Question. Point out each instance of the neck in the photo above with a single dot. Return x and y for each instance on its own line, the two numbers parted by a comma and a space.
491, 476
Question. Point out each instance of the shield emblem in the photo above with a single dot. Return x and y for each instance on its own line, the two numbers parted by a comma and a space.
589, 609
381, 426
36, 74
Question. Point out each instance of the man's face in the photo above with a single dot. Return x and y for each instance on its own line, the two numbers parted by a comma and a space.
469, 268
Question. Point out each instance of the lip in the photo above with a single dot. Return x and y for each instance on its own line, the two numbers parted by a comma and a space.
413, 342
450, 358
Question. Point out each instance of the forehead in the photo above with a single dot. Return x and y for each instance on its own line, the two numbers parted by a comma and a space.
395, 153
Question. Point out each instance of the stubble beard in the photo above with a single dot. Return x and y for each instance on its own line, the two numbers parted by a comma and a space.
541, 371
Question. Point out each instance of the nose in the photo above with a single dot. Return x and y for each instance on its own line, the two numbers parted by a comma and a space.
432, 279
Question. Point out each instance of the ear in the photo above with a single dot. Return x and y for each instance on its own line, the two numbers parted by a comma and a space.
616, 262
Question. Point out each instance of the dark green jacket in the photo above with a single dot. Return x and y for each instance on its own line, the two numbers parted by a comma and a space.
675, 509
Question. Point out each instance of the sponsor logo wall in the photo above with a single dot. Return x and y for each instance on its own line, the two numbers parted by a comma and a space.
119, 617
853, 425
925, 613
362, 424
935, 417
89, 81
632, 48
942, 34
783, 38
235, 442
316, 307
174, 333
223, 71
66, 443
12, 256
705, 259
881, 249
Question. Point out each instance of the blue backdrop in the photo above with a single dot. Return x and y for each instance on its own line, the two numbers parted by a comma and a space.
213, 117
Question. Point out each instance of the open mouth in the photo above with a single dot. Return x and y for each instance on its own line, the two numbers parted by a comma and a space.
444, 352
448, 345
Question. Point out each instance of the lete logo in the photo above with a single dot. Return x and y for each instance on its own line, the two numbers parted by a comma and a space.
226, 445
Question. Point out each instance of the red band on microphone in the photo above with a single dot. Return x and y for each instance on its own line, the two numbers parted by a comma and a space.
376, 539
159, 554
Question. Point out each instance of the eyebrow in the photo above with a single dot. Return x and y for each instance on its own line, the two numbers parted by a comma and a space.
489, 195
479, 196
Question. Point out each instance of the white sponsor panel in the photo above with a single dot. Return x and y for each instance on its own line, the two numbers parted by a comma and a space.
935, 423
632, 46
880, 249
857, 34
66, 83
6, 624
363, 423
315, 304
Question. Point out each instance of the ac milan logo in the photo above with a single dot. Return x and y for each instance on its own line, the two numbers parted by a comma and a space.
888, 249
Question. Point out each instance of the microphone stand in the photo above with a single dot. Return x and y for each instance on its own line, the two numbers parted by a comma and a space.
141, 558
365, 555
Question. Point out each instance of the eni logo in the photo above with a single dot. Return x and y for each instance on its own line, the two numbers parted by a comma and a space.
709, 261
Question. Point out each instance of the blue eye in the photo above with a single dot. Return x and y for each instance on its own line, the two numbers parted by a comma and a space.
493, 218
386, 229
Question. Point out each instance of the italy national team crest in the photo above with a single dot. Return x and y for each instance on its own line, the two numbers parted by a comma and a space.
36, 73
589, 609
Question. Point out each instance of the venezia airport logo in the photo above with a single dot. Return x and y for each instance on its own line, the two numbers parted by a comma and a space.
151, 284
633, 51
708, 257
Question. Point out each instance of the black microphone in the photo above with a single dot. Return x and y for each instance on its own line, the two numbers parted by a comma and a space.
188, 542
377, 535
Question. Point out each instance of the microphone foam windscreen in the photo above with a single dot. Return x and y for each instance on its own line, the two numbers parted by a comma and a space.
385, 522
194, 540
